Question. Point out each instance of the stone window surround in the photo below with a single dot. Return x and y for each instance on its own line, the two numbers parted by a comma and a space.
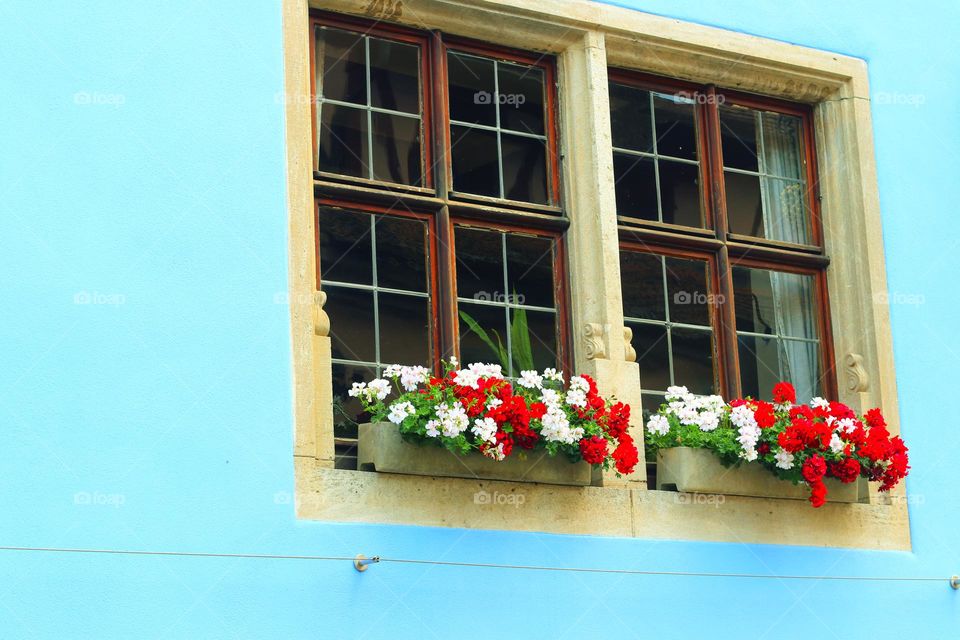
588, 37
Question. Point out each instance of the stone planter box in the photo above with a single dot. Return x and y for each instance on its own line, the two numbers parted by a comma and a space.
699, 471
380, 448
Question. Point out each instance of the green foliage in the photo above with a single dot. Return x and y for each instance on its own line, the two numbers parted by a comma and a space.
521, 352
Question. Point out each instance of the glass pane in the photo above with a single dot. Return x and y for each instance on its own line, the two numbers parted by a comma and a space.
693, 359
345, 247
404, 329
641, 280
650, 404
343, 140
630, 118
401, 253
650, 343
759, 366
521, 98
787, 216
782, 146
744, 210
738, 137
394, 75
530, 270
344, 66
676, 128
347, 411
396, 148
680, 193
793, 293
801, 366
351, 323
479, 264
688, 292
753, 300
542, 328
475, 163
471, 89
493, 320
636, 186
524, 168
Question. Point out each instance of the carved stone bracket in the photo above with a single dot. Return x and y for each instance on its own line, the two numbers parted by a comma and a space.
321, 321
857, 377
593, 341
630, 354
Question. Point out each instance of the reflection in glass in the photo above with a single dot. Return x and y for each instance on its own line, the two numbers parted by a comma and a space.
345, 246
404, 329
471, 87
630, 121
342, 57
396, 148
641, 278
343, 140
401, 253
351, 316
475, 164
693, 359
650, 343
676, 127
394, 76
680, 193
524, 168
530, 270
636, 186
521, 98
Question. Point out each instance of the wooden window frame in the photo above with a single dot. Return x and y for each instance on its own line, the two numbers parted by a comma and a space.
435, 200
728, 249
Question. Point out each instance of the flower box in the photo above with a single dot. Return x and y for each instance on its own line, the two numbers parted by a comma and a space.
381, 448
691, 470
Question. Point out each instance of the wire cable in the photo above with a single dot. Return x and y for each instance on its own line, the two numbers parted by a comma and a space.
483, 565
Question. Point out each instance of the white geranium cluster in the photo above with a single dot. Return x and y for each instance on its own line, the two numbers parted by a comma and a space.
451, 420
658, 425
375, 390
399, 411
556, 425
784, 460
703, 411
742, 417
485, 429
409, 377
577, 393
470, 377
530, 380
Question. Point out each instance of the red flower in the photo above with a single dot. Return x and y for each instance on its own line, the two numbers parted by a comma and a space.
846, 470
784, 392
763, 448
801, 411
818, 493
814, 469
626, 455
874, 418
594, 450
618, 420
764, 415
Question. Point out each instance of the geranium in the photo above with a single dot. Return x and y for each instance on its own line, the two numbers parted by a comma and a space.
784, 393
476, 409
798, 443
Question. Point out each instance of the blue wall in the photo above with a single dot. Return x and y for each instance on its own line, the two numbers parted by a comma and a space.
145, 380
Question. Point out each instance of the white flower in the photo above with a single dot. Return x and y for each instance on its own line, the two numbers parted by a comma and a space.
493, 403
677, 393
846, 425
393, 371
708, 421
579, 383
357, 389
411, 377
742, 417
819, 403
658, 424
399, 411
453, 361
556, 427
550, 398
494, 452
485, 429
836, 444
688, 414
453, 419
576, 398
784, 460
553, 374
530, 380
378, 388
433, 428
466, 378
486, 370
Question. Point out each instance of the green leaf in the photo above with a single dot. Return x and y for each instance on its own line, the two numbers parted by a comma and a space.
498, 349
520, 336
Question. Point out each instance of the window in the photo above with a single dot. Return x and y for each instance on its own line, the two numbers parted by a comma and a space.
438, 228
722, 262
